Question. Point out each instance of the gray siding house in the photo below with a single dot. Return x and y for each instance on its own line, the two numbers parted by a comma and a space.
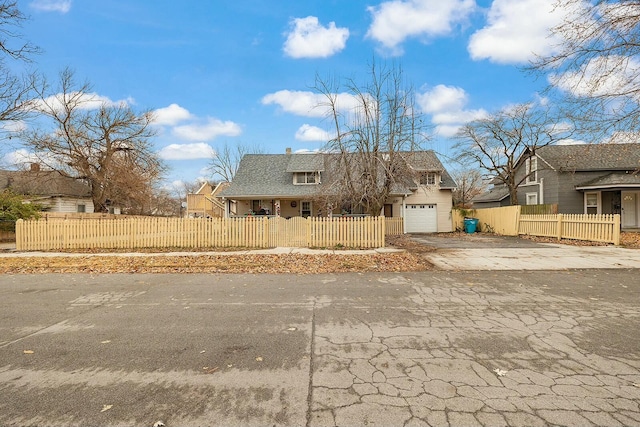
580, 179
293, 184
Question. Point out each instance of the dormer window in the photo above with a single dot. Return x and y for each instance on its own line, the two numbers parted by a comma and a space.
428, 178
301, 178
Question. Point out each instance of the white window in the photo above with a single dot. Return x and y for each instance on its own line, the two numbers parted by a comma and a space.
428, 178
307, 178
592, 203
532, 198
532, 169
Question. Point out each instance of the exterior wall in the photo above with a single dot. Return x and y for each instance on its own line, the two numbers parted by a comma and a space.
67, 205
443, 200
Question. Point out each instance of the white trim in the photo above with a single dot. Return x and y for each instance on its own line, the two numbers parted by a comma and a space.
533, 196
598, 205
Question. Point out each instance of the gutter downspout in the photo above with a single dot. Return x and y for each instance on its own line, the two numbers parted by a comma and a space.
542, 191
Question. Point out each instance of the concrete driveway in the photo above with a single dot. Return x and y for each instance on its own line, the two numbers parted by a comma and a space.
488, 252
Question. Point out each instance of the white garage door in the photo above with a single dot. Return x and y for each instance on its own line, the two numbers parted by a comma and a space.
421, 219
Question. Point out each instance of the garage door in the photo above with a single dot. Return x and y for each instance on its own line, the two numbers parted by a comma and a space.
421, 219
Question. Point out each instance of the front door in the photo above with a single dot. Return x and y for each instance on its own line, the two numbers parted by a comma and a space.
630, 210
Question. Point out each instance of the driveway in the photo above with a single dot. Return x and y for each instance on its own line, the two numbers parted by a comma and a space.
487, 252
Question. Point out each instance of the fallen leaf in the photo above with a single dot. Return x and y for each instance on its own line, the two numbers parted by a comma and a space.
28, 352
208, 370
499, 372
105, 342
292, 329
258, 359
106, 408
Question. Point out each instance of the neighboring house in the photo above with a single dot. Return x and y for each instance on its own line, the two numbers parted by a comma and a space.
56, 193
205, 202
580, 179
291, 185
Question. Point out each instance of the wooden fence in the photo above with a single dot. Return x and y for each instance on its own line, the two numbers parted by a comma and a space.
394, 226
502, 221
509, 221
154, 232
595, 228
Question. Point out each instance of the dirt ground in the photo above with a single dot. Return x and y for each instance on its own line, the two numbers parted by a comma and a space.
410, 260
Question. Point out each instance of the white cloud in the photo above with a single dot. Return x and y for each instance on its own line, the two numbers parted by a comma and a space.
13, 126
307, 132
62, 6
207, 131
198, 150
309, 39
19, 157
601, 76
570, 141
84, 101
300, 103
171, 115
308, 104
395, 21
446, 104
516, 31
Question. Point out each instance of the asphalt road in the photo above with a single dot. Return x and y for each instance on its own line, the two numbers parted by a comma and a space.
434, 348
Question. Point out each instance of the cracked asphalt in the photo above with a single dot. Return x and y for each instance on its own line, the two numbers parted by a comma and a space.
438, 348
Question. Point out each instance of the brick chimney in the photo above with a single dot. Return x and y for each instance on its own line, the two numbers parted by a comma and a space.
288, 150
35, 167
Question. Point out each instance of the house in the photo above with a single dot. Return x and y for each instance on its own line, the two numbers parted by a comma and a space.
55, 192
290, 185
205, 202
580, 179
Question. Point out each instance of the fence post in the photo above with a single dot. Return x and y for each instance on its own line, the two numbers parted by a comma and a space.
616, 229
19, 234
559, 227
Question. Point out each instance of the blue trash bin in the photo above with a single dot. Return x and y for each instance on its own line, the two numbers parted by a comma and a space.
470, 225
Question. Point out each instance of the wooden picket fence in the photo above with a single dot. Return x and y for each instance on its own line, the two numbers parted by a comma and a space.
509, 221
595, 228
155, 232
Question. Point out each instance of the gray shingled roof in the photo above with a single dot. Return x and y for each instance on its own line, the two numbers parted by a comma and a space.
43, 184
270, 175
427, 161
495, 194
586, 157
265, 175
306, 162
614, 179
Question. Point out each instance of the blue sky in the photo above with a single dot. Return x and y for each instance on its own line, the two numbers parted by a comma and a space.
240, 71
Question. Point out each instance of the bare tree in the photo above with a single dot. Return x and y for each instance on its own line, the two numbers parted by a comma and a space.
225, 161
15, 90
375, 124
106, 145
596, 65
497, 142
470, 184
